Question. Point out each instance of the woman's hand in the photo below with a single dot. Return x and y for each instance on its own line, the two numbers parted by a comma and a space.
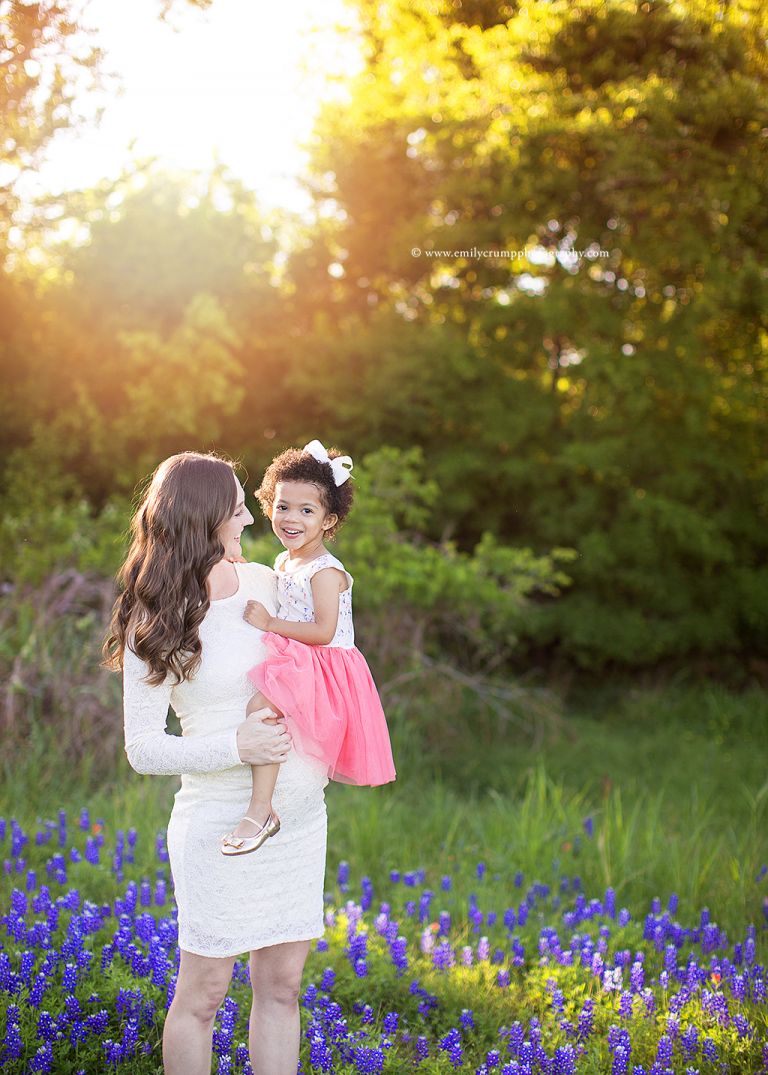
262, 738
257, 615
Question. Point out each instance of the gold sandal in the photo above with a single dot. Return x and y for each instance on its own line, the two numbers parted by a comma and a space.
243, 845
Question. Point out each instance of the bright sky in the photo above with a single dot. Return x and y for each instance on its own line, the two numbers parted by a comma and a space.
239, 82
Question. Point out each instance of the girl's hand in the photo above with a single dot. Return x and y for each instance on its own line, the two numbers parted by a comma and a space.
257, 615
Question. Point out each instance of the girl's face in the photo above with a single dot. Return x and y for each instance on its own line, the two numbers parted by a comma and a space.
298, 516
230, 531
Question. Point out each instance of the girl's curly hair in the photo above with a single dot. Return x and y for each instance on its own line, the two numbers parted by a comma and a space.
294, 465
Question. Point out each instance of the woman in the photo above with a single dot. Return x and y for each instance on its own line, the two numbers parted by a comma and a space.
179, 636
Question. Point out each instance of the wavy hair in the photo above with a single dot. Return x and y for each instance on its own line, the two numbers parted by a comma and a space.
164, 596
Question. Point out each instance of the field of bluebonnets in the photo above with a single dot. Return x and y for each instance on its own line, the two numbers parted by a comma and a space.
595, 905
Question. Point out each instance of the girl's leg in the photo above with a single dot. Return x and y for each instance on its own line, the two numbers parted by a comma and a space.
275, 1024
264, 779
201, 987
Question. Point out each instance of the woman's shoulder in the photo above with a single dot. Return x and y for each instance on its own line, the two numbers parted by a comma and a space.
257, 576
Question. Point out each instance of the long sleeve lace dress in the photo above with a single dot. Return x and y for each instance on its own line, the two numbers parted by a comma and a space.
228, 905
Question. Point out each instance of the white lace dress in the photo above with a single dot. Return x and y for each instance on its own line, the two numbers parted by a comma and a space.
228, 905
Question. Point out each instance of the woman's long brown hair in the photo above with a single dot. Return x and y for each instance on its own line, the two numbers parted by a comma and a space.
175, 544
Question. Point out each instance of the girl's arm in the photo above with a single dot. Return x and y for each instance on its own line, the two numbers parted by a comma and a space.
326, 587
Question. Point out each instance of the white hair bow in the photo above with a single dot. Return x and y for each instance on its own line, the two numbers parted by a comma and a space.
340, 466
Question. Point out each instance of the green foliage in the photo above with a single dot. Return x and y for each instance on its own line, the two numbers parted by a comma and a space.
609, 404
415, 598
39, 73
613, 405
48, 536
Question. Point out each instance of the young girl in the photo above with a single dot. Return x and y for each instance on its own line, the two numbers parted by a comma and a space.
313, 671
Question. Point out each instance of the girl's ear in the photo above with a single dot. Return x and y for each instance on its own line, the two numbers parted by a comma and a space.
330, 522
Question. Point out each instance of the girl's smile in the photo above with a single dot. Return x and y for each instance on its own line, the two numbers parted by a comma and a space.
299, 517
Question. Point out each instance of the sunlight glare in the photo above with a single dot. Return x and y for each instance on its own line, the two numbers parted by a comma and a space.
238, 84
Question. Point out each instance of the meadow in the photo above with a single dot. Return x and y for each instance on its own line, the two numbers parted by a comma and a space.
592, 903
560, 475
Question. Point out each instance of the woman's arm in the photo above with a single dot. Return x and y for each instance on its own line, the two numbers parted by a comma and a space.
326, 587
149, 747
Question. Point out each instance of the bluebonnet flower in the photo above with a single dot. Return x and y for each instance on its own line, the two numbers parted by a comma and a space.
588, 826
620, 1064
14, 1045
445, 883
369, 1059
743, 1026
320, 1055
443, 956
690, 1042
564, 1061
709, 1051
586, 1019
328, 980
43, 1059
625, 1005
636, 977
664, 1050
390, 1022
342, 875
467, 1019
450, 1043
609, 902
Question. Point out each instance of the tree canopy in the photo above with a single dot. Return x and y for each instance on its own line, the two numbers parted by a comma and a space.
538, 256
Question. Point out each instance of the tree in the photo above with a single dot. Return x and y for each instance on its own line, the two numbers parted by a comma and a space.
615, 403
43, 54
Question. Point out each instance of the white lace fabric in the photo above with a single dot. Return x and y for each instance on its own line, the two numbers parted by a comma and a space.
229, 905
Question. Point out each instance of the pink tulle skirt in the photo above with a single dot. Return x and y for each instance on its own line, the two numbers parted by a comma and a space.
331, 706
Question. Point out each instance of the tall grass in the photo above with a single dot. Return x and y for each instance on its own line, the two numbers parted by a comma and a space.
673, 777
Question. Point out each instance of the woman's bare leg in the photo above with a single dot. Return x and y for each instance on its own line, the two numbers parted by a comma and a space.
201, 987
264, 779
275, 1023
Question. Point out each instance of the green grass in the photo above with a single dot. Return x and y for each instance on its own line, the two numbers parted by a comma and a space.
675, 783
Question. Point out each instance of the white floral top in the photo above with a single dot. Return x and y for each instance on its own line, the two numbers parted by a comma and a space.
294, 595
